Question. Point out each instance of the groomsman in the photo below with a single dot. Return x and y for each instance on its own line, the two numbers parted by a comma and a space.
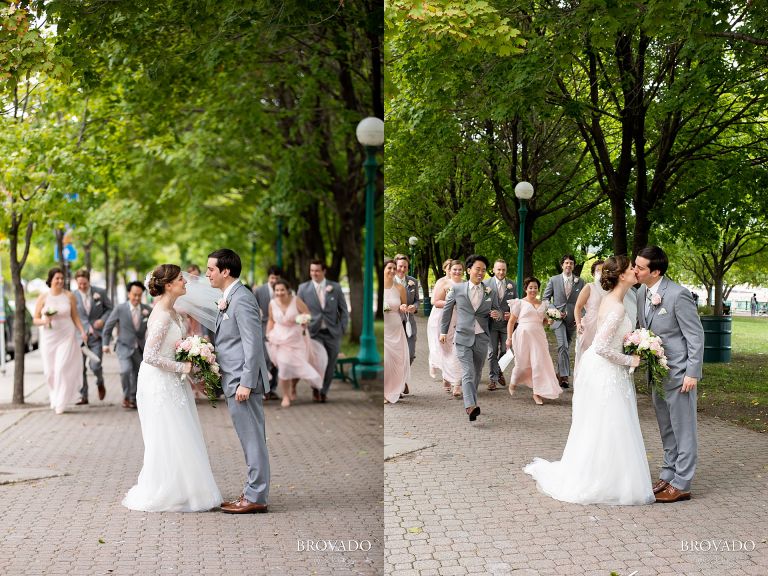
505, 290
411, 286
93, 307
562, 292
474, 304
330, 317
131, 316
264, 294
669, 311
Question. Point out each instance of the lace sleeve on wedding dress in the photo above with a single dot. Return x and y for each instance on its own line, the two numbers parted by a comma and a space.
606, 334
157, 330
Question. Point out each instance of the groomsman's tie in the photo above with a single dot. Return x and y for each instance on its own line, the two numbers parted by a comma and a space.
568, 286
135, 317
86, 302
320, 295
501, 290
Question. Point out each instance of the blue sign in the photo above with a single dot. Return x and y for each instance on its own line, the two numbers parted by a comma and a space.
70, 253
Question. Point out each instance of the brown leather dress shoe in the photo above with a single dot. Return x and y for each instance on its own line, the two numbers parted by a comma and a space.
243, 506
271, 396
323, 398
235, 501
660, 485
473, 412
502, 381
126, 404
81, 402
492, 386
672, 494
315, 395
102, 391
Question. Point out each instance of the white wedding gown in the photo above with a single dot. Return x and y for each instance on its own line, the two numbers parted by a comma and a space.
176, 476
604, 461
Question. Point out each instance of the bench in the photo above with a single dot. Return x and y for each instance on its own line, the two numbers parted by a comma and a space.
341, 372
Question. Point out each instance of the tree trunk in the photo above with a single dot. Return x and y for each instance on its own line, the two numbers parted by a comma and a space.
110, 284
355, 271
718, 308
619, 219
19, 318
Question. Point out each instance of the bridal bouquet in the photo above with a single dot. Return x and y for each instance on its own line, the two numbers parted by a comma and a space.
303, 320
201, 353
648, 346
50, 312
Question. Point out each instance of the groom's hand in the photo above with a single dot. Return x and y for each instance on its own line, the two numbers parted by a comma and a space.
689, 383
242, 393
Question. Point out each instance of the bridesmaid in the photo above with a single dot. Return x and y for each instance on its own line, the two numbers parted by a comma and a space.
56, 313
451, 367
589, 300
433, 324
533, 364
397, 367
296, 355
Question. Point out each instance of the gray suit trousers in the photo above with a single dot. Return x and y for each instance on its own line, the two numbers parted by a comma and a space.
95, 346
676, 414
248, 419
129, 374
472, 359
497, 349
564, 334
332, 346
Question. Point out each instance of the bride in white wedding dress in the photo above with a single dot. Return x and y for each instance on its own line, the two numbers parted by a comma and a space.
604, 461
176, 476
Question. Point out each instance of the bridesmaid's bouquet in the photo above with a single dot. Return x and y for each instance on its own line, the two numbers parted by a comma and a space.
201, 353
554, 314
50, 312
303, 320
649, 347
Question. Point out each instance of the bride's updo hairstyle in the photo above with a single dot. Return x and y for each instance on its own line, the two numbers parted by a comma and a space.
161, 277
613, 267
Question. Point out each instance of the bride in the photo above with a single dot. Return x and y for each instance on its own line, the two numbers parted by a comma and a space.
176, 476
604, 460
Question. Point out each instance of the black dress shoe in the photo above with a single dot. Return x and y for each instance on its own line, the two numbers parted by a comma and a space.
473, 412
271, 396
406, 391
315, 395
81, 402
323, 397
102, 391
564, 383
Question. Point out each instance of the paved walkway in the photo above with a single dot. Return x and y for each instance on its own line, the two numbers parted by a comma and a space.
461, 504
326, 485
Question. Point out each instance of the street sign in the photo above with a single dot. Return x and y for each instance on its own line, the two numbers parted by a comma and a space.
70, 253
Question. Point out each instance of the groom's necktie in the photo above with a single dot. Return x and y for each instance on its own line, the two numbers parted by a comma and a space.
648, 297
476, 298
135, 317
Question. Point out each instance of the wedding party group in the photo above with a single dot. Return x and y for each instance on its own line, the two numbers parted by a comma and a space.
615, 325
215, 335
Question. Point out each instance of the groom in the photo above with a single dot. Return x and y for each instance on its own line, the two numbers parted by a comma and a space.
668, 310
244, 375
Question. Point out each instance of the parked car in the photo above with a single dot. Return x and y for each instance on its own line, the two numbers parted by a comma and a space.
31, 336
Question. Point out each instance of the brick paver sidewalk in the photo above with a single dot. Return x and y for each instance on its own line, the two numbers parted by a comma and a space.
327, 483
463, 505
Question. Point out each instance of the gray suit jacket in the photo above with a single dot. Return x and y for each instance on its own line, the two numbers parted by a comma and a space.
101, 307
510, 293
334, 313
263, 297
465, 321
676, 321
240, 344
554, 294
127, 336
411, 298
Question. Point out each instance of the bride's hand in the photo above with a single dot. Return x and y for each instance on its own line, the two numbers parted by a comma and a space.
188, 367
635, 361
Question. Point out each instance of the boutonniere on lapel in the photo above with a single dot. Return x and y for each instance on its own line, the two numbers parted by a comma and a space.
96, 296
222, 305
487, 293
509, 286
328, 289
411, 283
144, 315
656, 300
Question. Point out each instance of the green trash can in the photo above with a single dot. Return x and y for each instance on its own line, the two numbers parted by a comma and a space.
717, 338
427, 306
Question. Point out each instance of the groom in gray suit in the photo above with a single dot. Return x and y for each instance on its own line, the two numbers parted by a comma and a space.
561, 292
132, 317
668, 310
244, 375
475, 305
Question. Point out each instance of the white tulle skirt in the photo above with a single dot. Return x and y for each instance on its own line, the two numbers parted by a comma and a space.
604, 461
176, 475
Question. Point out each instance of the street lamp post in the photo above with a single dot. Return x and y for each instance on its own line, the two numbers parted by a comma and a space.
412, 241
370, 133
524, 192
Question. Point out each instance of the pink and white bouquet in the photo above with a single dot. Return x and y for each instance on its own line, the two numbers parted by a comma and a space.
303, 320
201, 353
649, 347
554, 314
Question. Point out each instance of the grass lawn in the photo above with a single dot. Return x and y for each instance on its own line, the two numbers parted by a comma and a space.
737, 391
350, 349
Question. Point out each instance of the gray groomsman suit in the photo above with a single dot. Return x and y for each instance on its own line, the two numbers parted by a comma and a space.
240, 352
676, 321
471, 344
565, 330
100, 308
130, 344
498, 338
412, 298
328, 323
264, 297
